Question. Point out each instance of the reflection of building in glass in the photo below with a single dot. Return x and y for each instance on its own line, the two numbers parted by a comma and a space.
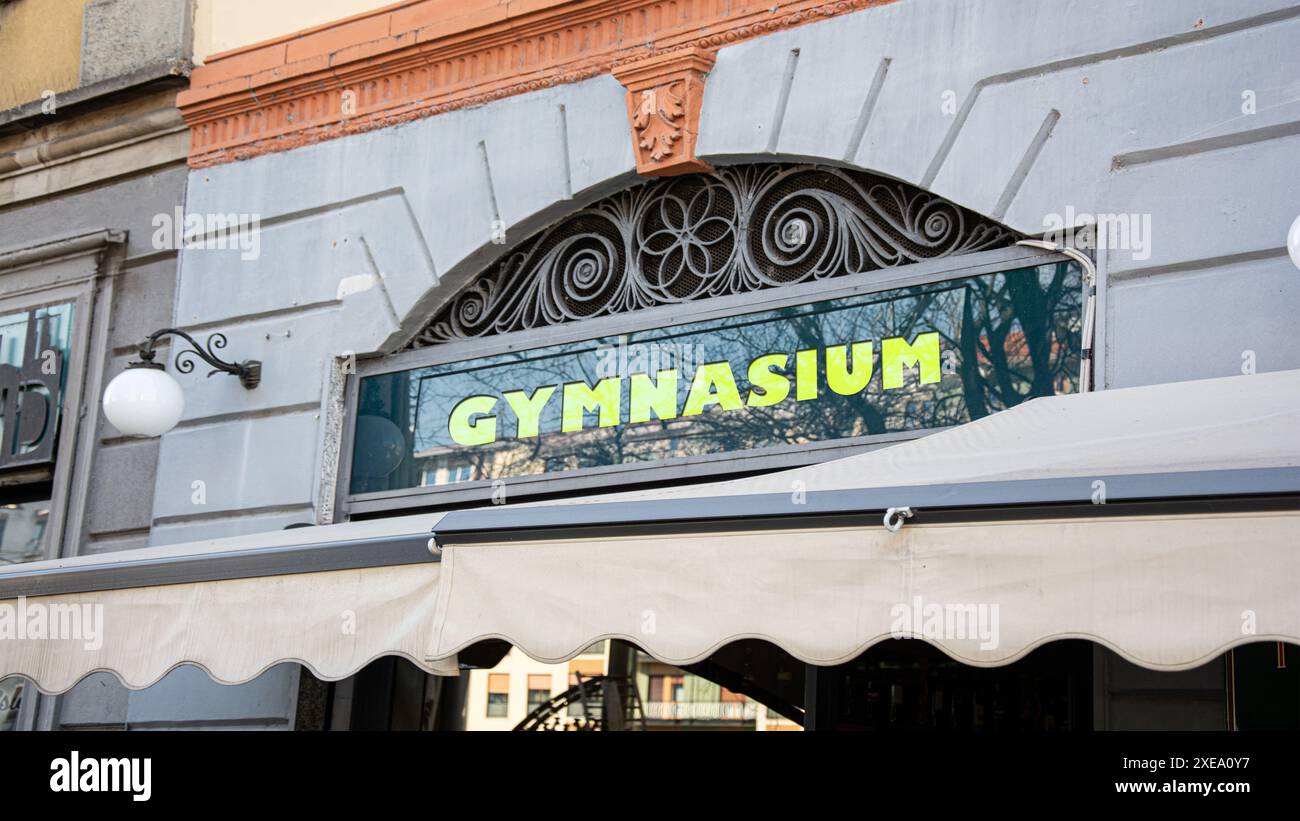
34, 347
445, 469
22, 531
552, 452
11, 697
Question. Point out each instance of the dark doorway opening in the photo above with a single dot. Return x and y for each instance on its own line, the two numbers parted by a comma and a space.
907, 685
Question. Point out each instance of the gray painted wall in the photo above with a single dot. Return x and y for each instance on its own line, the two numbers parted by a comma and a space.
122, 472
119, 512
1017, 110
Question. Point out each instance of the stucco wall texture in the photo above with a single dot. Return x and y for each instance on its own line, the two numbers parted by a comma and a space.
1183, 114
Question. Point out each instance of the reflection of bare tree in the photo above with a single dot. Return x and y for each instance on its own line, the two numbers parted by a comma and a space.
1011, 336
1017, 336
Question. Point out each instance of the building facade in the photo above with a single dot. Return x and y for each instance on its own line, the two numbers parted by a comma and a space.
92, 146
370, 194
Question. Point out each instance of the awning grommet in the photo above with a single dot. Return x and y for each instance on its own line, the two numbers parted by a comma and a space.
895, 516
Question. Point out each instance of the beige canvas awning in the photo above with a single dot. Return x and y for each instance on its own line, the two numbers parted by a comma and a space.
1161, 522
319, 596
1165, 592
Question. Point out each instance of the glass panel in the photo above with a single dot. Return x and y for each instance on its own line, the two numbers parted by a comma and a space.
53, 329
22, 531
35, 346
22, 539
536, 698
11, 697
921, 357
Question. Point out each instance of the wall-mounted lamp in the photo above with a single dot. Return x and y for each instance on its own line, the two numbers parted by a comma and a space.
145, 400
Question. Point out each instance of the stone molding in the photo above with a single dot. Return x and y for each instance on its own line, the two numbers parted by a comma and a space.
420, 59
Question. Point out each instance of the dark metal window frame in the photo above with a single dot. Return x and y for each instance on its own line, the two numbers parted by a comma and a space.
1186, 492
687, 468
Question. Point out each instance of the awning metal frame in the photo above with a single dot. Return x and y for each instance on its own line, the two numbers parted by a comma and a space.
208, 567
964, 501
1189, 492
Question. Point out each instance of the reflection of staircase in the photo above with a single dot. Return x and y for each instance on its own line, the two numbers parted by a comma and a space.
602, 702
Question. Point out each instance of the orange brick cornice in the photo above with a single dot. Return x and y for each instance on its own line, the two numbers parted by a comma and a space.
422, 58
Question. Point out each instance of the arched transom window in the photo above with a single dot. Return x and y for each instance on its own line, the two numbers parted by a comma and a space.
752, 318
740, 229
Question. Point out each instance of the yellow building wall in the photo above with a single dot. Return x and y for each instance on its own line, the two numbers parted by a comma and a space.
40, 49
222, 25
40, 40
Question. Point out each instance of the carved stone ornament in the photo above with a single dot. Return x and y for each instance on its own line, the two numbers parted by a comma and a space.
664, 95
731, 231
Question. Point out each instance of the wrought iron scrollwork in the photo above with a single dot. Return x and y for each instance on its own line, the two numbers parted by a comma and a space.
736, 230
185, 359
248, 371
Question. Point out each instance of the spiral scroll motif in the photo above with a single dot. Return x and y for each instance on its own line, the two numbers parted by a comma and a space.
738, 229
185, 360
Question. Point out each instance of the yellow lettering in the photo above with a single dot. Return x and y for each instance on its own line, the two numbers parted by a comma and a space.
805, 375
529, 409
839, 378
776, 387
659, 397
896, 354
579, 399
480, 431
713, 384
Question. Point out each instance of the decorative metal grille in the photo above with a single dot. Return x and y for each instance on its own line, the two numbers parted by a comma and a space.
739, 229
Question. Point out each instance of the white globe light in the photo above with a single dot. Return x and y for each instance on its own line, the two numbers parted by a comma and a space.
144, 402
1293, 242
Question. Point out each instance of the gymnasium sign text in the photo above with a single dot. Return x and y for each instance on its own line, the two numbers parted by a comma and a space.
767, 380
844, 369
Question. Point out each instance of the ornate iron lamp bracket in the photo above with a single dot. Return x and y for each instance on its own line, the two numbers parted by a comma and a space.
249, 371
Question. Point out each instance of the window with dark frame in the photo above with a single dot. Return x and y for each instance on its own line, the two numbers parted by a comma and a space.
35, 348
539, 690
